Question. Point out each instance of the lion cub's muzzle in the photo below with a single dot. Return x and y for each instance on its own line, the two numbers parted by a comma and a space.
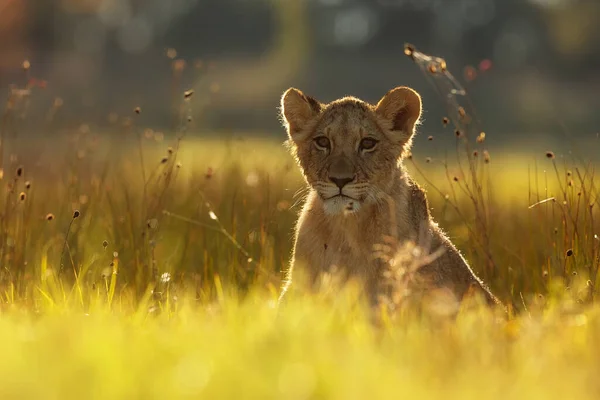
342, 174
340, 190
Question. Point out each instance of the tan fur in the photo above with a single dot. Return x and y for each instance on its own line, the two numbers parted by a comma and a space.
334, 230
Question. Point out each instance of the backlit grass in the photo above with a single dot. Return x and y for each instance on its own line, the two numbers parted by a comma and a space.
210, 329
318, 348
143, 264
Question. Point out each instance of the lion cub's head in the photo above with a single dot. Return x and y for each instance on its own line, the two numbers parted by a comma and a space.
349, 150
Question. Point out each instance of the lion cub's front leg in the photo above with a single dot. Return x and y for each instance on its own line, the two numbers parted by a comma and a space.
300, 262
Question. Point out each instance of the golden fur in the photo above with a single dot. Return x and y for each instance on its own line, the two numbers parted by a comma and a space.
350, 153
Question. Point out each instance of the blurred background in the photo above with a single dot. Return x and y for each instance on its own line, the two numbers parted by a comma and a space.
530, 66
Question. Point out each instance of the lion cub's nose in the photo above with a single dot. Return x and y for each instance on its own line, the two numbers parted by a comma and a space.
341, 172
340, 182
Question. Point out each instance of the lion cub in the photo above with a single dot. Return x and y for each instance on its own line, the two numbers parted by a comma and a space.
350, 153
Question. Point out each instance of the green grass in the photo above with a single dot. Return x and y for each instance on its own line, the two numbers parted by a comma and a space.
317, 349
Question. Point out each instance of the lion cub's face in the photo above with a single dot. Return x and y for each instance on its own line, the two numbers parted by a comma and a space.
348, 149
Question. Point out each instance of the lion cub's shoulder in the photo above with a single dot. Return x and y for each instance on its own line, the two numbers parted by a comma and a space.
418, 204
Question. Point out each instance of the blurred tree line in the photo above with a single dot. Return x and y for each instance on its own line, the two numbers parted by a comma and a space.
538, 49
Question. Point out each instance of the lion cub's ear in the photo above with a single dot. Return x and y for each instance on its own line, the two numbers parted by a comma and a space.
401, 109
297, 109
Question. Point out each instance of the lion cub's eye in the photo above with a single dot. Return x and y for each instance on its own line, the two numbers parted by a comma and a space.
368, 144
322, 142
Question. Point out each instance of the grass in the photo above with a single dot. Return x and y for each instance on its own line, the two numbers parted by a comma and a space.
211, 329
137, 264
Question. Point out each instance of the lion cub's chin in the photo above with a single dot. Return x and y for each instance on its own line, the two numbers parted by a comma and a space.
341, 205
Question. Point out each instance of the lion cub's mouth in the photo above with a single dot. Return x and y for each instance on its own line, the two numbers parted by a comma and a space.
340, 196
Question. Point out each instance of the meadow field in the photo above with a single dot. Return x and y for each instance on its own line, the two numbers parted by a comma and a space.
146, 264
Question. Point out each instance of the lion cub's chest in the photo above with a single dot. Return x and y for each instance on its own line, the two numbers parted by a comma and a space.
346, 247
341, 254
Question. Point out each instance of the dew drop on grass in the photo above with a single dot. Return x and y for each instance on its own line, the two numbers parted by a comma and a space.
212, 215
